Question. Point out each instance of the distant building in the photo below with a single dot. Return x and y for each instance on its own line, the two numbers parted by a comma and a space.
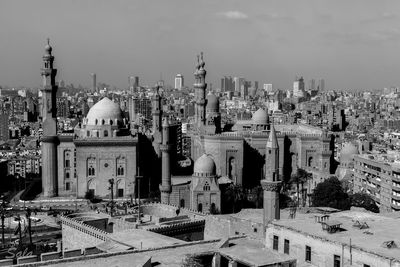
140, 108
321, 85
4, 132
298, 87
267, 87
94, 84
179, 81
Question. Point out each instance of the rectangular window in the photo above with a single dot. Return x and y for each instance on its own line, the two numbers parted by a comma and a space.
286, 246
275, 243
67, 186
367, 265
336, 261
308, 253
120, 192
67, 164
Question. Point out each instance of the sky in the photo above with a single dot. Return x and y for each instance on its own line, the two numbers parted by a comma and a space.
352, 44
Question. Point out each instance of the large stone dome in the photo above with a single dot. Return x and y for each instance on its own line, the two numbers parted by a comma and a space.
347, 153
212, 102
103, 112
260, 117
204, 166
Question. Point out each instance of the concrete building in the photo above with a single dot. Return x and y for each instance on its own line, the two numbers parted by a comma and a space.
179, 82
298, 87
4, 131
379, 176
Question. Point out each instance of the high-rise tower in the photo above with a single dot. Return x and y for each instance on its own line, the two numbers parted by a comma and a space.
94, 84
49, 111
165, 148
271, 184
200, 92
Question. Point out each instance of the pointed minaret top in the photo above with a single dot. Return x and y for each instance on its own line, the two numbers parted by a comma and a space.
272, 139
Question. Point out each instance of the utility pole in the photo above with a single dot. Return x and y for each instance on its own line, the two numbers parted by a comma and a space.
138, 178
111, 181
3, 216
28, 216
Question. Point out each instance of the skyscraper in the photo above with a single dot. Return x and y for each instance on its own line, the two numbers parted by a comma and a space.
321, 85
179, 81
4, 133
94, 87
298, 87
133, 83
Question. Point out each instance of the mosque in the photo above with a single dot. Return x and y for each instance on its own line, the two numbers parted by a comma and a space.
102, 150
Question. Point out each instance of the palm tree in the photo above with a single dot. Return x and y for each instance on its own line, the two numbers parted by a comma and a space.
299, 178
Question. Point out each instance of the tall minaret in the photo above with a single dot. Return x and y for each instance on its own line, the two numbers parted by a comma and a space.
200, 92
49, 124
271, 184
165, 148
157, 116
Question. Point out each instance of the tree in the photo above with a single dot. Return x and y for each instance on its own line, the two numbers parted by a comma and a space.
256, 195
365, 201
299, 178
330, 193
191, 261
234, 195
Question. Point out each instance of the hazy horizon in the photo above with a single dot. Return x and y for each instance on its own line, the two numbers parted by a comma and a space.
350, 44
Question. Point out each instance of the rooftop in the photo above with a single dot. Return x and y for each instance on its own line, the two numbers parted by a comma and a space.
381, 229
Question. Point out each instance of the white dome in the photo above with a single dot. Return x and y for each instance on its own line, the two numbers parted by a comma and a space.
260, 117
347, 153
105, 110
204, 166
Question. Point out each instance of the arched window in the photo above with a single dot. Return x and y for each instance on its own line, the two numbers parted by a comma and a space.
97, 134
105, 133
206, 187
120, 171
200, 207
88, 133
96, 121
91, 171
310, 159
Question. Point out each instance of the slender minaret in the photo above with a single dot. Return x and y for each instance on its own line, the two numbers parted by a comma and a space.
271, 184
165, 148
200, 92
156, 110
49, 111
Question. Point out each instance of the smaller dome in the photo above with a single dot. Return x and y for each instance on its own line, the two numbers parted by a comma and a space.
347, 153
260, 117
212, 102
204, 166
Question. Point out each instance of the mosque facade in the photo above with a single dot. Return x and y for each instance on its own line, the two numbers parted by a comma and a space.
102, 150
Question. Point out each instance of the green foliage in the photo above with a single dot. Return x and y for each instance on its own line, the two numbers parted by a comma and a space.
234, 195
365, 201
330, 193
191, 261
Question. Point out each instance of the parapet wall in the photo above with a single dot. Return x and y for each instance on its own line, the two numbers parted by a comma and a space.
78, 235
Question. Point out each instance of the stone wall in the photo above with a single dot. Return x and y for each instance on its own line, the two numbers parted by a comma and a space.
78, 235
223, 227
323, 250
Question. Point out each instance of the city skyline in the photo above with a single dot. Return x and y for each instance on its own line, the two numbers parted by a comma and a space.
283, 39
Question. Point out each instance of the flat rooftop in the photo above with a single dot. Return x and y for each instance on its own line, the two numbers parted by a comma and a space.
253, 253
380, 229
143, 239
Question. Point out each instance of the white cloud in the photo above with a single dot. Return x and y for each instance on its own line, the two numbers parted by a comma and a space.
233, 15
